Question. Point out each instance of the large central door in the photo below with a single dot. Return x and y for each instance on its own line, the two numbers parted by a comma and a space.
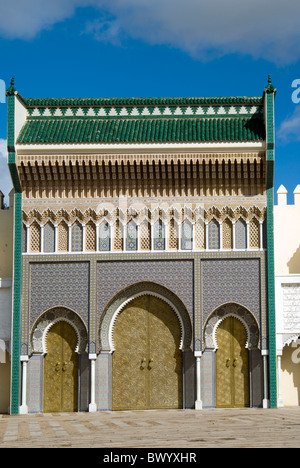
232, 365
147, 361
61, 369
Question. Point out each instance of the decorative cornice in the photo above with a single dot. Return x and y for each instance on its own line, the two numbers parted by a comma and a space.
141, 156
112, 214
144, 111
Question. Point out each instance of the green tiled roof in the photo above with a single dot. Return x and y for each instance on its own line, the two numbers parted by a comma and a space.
141, 129
142, 120
146, 101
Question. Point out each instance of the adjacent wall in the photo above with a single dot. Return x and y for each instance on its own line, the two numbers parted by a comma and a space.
6, 255
287, 281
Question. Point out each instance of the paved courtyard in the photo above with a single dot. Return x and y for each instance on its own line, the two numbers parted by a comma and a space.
155, 429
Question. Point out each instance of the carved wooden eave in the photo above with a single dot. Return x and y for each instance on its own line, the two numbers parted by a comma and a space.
150, 174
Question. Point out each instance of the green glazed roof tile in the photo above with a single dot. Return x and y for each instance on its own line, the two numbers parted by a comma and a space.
142, 120
150, 101
140, 130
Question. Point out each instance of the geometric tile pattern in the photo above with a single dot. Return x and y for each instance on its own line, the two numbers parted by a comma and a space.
104, 237
103, 381
113, 277
159, 236
167, 106
132, 236
34, 387
213, 235
175, 275
77, 238
89, 283
187, 236
231, 280
240, 234
59, 284
49, 238
208, 379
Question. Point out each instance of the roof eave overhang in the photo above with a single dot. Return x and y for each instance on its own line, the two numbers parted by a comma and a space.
113, 148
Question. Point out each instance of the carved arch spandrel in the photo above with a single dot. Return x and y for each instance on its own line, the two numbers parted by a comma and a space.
124, 297
38, 339
231, 310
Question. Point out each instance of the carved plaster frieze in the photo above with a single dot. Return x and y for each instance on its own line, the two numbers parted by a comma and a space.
111, 214
41, 328
238, 312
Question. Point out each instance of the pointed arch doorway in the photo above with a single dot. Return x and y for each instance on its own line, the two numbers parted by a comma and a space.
61, 369
147, 360
232, 365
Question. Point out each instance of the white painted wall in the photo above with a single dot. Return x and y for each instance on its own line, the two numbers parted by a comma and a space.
5, 316
287, 296
287, 233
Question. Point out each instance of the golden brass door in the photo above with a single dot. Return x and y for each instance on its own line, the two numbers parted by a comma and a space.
232, 365
61, 369
147, 361
130, 357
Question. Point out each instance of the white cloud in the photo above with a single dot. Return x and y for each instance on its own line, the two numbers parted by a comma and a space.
262, 28
289, 129
5, 179
24, 19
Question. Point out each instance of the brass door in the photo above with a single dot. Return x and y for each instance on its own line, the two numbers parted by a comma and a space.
147, 361
130, 357
232, 365
61, 369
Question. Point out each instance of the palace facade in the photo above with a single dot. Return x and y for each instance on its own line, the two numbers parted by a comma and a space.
143, 253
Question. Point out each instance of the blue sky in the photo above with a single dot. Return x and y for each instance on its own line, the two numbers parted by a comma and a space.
101, 48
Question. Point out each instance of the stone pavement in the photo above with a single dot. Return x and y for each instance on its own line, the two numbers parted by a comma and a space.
154, 429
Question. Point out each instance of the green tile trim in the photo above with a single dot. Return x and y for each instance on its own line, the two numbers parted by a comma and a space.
17, 289
14, 172
17, 259
271, 287
269, 102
